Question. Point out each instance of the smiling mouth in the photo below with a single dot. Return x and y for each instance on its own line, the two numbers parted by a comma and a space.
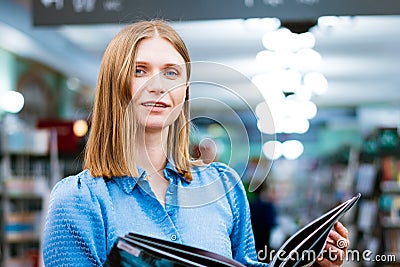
155, 104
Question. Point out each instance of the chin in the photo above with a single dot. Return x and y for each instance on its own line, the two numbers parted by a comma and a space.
156, 126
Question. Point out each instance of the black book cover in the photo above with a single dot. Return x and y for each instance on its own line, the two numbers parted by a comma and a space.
301, 249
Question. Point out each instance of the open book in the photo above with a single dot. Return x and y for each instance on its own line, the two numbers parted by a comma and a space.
301, 249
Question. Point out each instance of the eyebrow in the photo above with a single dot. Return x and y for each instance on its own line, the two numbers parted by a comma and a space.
167, 65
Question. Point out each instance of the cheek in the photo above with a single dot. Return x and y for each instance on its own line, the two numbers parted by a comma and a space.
178, 95
137, 85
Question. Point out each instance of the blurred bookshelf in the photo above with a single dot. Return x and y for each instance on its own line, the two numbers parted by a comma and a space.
378, 179
29, 166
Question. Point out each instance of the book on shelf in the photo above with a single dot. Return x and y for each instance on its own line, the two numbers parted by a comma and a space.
392, 240
390, 209
390, 168
367, 214
138, 250
366, 179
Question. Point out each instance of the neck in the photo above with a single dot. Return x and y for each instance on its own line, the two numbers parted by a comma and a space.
152, 152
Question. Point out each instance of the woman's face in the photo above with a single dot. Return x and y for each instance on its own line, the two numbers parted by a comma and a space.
159, 83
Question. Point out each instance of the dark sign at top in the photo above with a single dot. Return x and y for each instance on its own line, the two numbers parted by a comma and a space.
58, 12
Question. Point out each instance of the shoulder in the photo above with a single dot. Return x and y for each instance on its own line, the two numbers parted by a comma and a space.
81, 186
79, 181
215, 169
211, 183
228, 175
230, 179
78, 200
221, 167
77, 218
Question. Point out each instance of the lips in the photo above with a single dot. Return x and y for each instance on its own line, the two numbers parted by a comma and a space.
155, 104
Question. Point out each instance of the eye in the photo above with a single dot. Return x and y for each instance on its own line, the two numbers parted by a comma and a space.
139, 71
171, 73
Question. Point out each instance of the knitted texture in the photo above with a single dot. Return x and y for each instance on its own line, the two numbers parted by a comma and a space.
86, 215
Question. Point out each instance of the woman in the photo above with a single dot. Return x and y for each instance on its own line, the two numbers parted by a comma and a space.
138, 174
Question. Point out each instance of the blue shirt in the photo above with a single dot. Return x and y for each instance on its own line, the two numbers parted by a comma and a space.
86, 215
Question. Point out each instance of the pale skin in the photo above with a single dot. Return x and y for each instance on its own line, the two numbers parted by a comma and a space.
338, 254
159, 87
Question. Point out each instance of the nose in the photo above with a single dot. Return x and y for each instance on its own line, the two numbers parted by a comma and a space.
156, 85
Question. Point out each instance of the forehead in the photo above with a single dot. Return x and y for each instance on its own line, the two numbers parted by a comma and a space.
158, 50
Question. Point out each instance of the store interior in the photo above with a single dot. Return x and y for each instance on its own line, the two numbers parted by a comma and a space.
330, 87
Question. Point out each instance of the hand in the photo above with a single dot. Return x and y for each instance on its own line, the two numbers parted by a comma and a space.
336, 247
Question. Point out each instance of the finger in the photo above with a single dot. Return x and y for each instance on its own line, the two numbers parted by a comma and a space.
334, 237
339, 227
330, 240
334, 254
337, 240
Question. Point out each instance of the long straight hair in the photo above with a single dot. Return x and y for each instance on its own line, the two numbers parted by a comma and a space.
109, 151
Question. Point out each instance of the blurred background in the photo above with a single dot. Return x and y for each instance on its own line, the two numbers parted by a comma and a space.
308, 108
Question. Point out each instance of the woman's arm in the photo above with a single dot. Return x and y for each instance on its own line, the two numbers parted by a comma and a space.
74, 233
242, 238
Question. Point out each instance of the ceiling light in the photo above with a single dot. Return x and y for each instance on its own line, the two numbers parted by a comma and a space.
293, 124
289, 79
306, 40
282, 39
266, 126
267, 59
12, 101
303, 109
307, 60
309, 109
292, 149
272, 149
302, 93
262, 24
262, 110
316, 82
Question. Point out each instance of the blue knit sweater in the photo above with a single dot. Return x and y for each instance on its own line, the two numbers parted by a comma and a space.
86, 215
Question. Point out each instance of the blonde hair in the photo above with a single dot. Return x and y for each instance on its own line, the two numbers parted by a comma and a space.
108, 150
